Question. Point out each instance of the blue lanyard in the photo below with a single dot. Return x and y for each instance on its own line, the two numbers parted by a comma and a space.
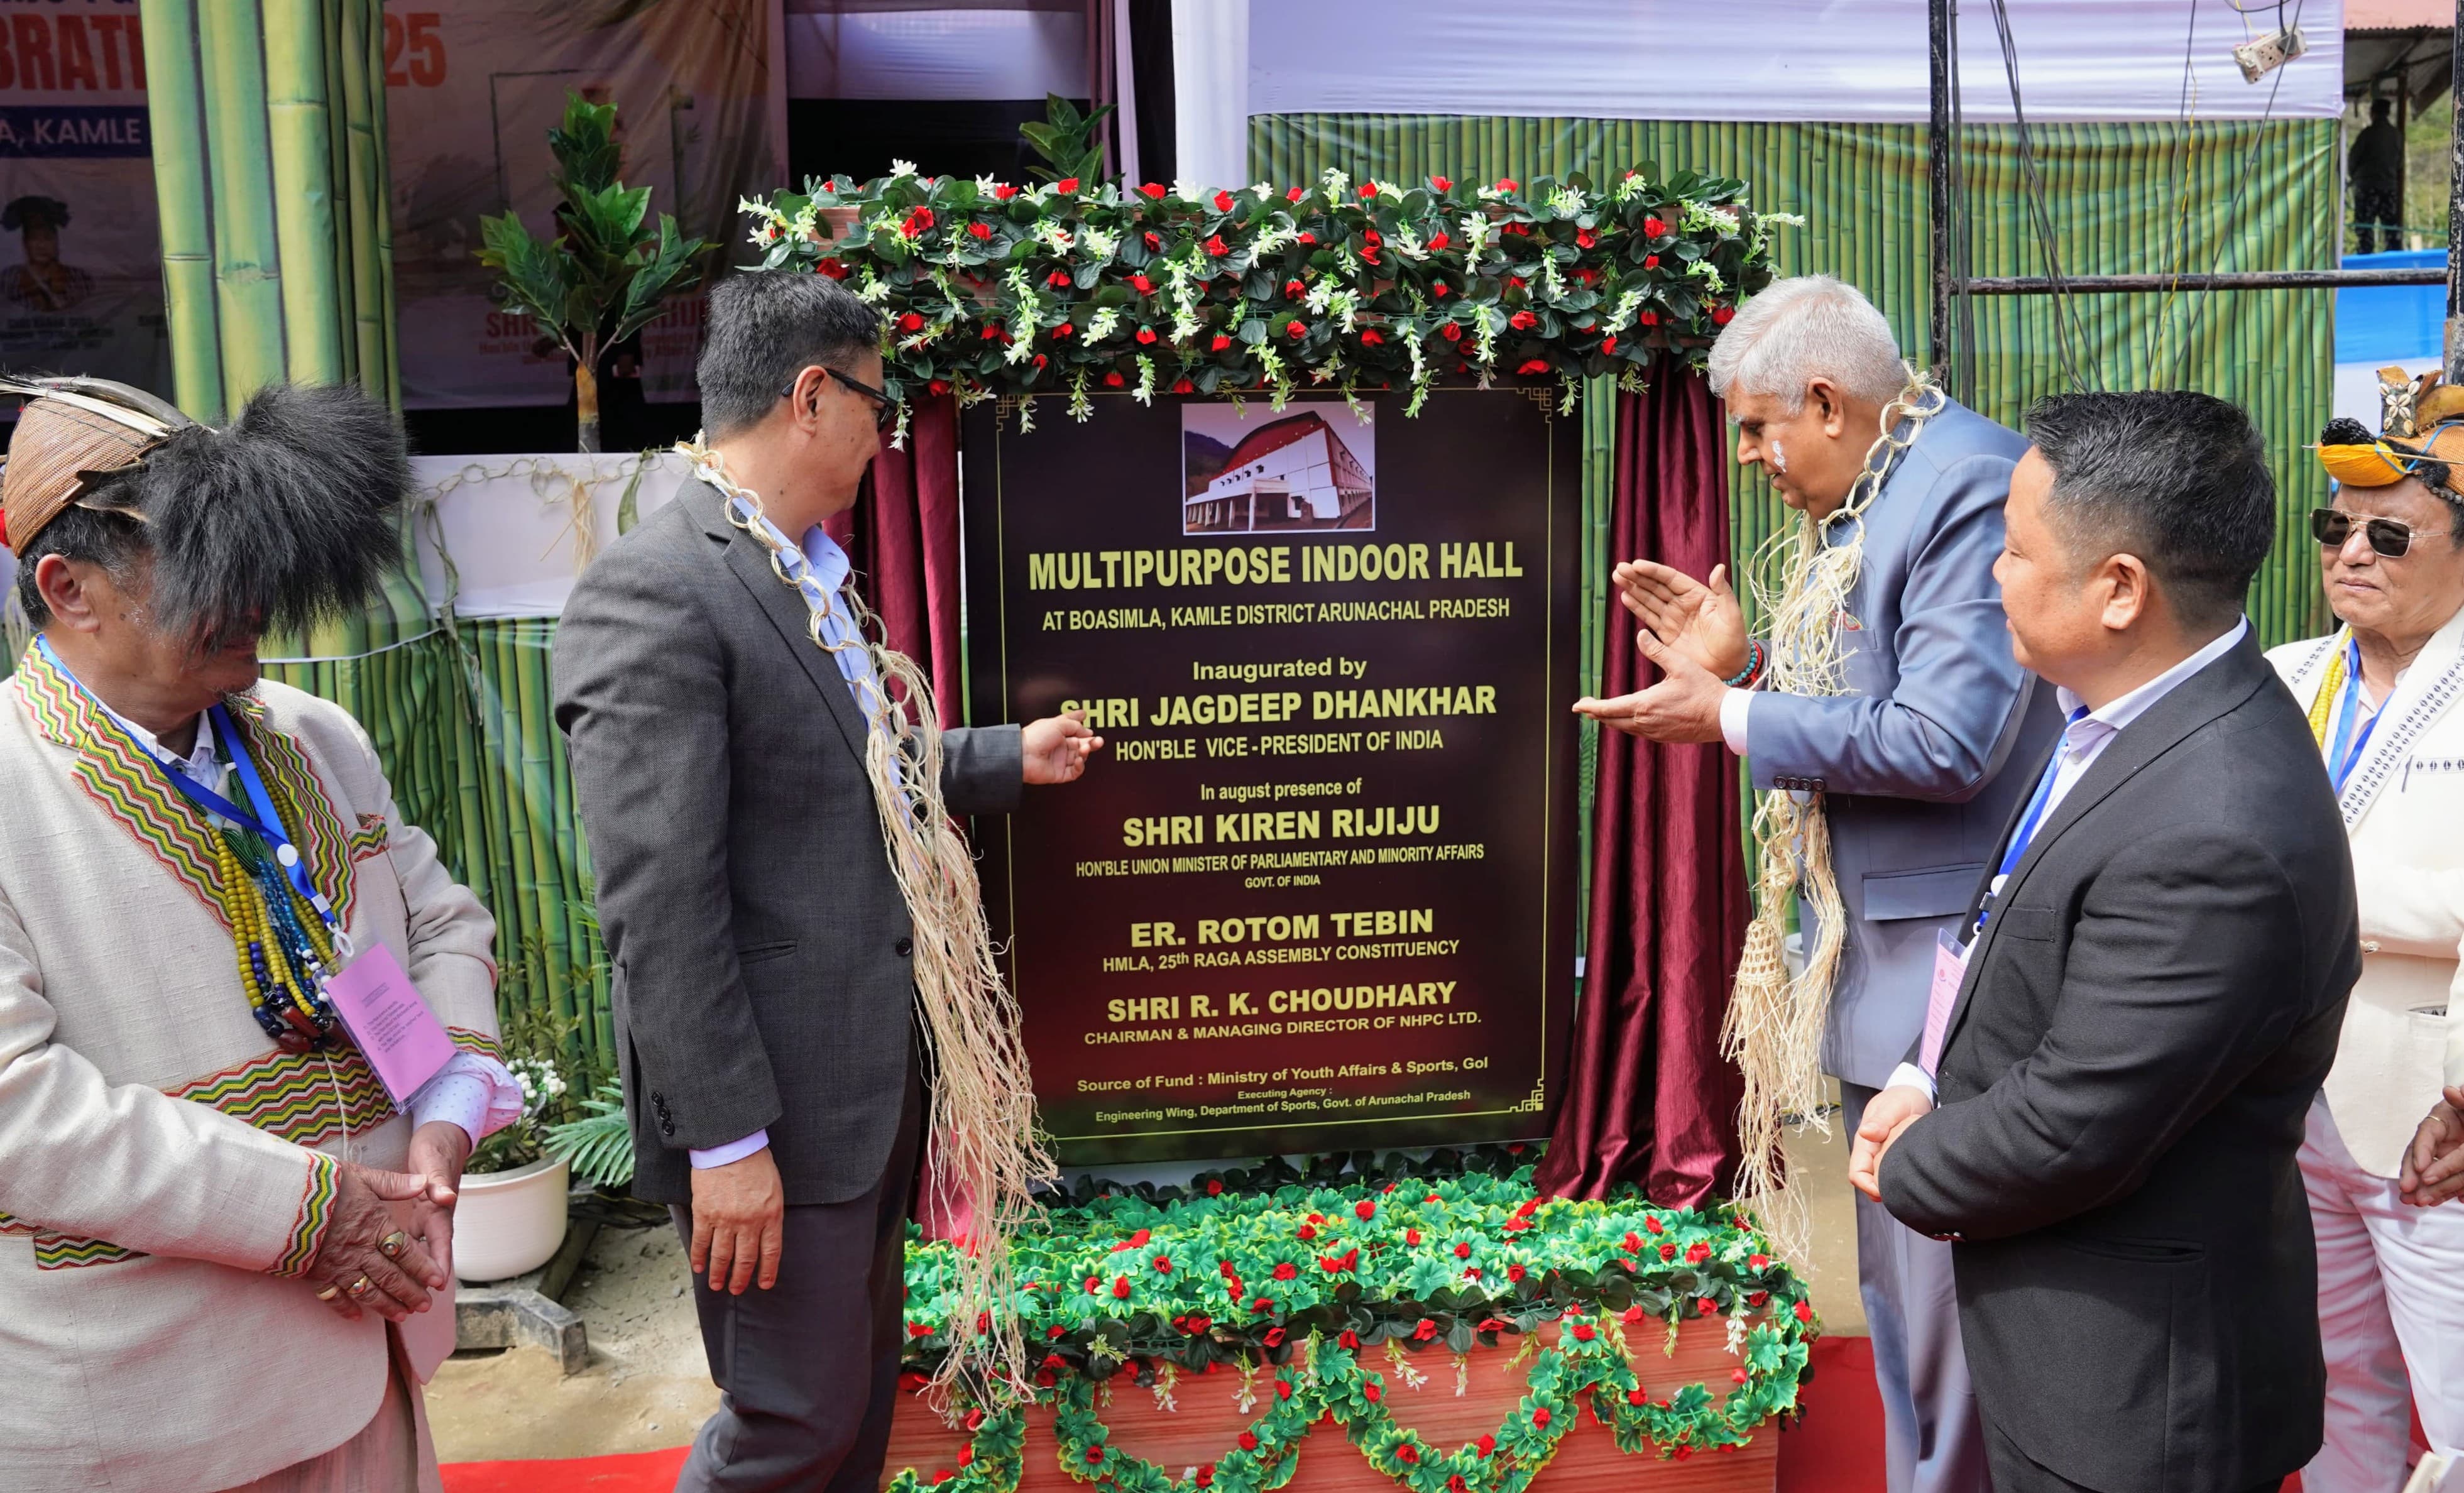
2029, 821
265, 823
2345, 754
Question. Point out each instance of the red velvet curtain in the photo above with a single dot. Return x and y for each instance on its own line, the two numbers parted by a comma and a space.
1648, 1098
903, 537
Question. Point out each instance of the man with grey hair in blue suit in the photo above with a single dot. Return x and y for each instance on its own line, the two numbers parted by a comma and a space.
1887, 703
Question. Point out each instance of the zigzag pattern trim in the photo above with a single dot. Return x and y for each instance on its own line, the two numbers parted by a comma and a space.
9, 1226
327, 845
294, 1095
113, 774
315, 1216
479, 1044
59, 1252
371, 837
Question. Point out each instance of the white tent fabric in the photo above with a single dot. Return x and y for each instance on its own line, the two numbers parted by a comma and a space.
936, 54
1848, 60
509, 529
1210, 78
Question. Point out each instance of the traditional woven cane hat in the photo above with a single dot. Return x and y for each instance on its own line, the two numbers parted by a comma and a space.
72, 432
2421, 424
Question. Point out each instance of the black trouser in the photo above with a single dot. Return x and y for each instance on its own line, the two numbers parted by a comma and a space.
2375, 208
808, 1369
2014, 1471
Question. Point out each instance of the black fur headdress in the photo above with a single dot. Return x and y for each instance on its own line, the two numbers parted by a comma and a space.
284, 516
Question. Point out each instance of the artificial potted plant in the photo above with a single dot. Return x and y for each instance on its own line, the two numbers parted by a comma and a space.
510, 1214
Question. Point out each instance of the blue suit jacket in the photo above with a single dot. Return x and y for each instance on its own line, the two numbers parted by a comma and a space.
1913, 756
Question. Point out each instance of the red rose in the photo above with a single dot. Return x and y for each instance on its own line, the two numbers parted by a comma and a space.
1463, 1251
1515, 1272
1286, 1270
833, 267
1068, 184
1220, 342
1140, 1239
1121, 1286
1758, 1261
1283, 1388
1638, 1397
1295, 194
1263, 1304
943, 1476
1805, 1311
1364, 1209
1145, 286
1507, 184
1740, 1376
1407, 1451
981, 230
1757, 1298
1452, 332
1057, 278
1514, 280
1667, 1251
1215, 245
1472, 1274
1317, 1217
1308, 237
1222, 201
1296, 289
1655, 228
1063, 331
1056, 1330
1306, 1231
1427, 1329
1154, 240
1697, 1252
1248, 1440
1005, 191
1373, 1392
974, 1420
1441, 184
1206, 1474
1608, 344
1182, 387
1438, 241
1633, 1243
1146, 334
1046, 1378
1095, 1282
942, 386
1457, 1485
919, 1329
1534, 365
1214, 1186
1651, 261
1163, 1264
1439, 289
1523, 320
1224, 1267
1154, 190
1347, 1338
1113, 381
1540, 1417
1584, 1332
1040, 360
1296, 327
1095, 1457
1199, 1322
1274, 1337
1649, 319
913, 321
1410, 1236
1721, 316
1705, 1306
1585, 238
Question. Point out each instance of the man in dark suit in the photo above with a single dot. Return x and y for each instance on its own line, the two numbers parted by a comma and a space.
2125, 1064
765, 979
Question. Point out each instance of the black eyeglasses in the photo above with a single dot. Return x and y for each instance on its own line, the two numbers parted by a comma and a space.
2332, 527
884, 409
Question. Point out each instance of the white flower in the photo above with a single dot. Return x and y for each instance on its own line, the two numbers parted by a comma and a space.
900, 168
1188, 190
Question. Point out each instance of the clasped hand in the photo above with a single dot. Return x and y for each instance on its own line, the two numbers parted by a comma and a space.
2433, 1164
363, 1242
1696, 634
1892, 1111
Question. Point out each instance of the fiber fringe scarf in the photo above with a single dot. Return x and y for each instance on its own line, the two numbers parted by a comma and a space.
984, 1141
1773, 1027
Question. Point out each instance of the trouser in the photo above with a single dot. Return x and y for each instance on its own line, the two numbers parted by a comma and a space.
808, 1370
1931, 1440
2013, 1472
391, 1454
2391, 1318
2375, 206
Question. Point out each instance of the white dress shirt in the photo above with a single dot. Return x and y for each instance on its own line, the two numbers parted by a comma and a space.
476, 1092
2084, 740
832, 567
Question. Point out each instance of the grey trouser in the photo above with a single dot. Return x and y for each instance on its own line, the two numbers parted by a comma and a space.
808, 1370
1932, 1442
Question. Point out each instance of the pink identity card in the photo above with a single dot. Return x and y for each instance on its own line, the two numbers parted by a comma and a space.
404, 1041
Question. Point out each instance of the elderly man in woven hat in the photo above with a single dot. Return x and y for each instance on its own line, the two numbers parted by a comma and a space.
246, 1015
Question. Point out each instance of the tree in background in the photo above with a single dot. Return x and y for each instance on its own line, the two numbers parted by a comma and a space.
603, 275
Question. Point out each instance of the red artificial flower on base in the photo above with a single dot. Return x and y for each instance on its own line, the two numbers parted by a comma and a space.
1146, 334
1758, 1261
1534, 365
1286, 1270
1215, 245
1486, 1444
1463, 1251
1805, 1311
1439, 289
1406, 1452
1143, 285
1183, 386
1068, 184
911, 321
1005, 191
1248, 1440
1540, 1417
1441, 184
1507, 184
1372, 338
1295, 194
1523, 320
1438, 241
1452, 332
1697, 1252
1154, 190
1220, 342
1721, 316
1222, 201
981, 230
1121, 1286
1655, 228
1364, 1210
1585, 238
1372, 1392
1113, 381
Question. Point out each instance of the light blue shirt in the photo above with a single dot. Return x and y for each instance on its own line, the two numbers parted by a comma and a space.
832, 567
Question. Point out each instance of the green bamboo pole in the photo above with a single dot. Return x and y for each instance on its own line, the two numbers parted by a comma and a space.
389, 365
248, 259
346, 242
182, 196
300, 130
362, 149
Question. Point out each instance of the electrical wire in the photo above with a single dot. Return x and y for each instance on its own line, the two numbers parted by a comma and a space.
2174, 243
2066, 319
2233, 209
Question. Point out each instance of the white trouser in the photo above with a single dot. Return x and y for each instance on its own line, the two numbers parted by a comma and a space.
2390, 1317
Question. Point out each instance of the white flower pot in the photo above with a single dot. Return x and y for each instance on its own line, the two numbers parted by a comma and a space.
510, 1223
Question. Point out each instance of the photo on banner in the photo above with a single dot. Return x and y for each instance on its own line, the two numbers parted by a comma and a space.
1313, 466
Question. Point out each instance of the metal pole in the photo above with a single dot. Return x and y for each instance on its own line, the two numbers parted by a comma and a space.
2456, 201
2226, 280
1938, 144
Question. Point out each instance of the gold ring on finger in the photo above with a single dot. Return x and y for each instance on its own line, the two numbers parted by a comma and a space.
329, 1293
360, 1288
393, 1245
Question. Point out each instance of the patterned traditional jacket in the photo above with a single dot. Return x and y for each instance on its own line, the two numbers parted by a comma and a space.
2404, 808
165, 1171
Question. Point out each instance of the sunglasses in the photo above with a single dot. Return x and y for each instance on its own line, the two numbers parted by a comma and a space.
2332, 527
884, 409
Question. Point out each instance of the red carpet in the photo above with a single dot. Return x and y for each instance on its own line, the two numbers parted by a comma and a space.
1838, 1449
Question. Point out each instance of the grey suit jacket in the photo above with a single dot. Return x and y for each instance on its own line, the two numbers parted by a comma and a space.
2143, 1024
761, 945
1913, 756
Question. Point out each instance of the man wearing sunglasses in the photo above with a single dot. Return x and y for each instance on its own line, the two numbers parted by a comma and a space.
769, 965
2382, 694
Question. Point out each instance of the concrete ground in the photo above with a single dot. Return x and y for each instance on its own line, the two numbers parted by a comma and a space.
649, 1387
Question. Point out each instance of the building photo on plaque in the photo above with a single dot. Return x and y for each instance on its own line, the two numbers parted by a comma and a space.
1245, 470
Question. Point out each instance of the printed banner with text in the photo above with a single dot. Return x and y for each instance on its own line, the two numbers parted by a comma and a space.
1317, 892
